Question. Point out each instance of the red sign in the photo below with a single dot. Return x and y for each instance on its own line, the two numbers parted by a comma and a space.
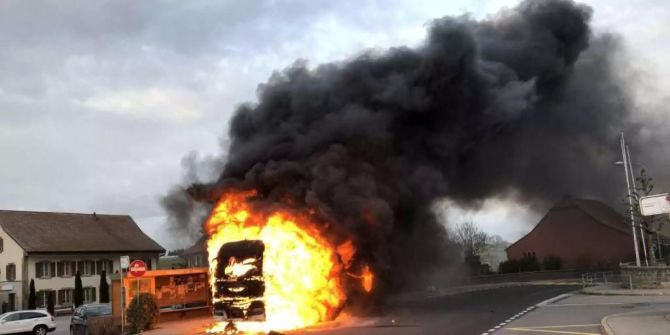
137, 268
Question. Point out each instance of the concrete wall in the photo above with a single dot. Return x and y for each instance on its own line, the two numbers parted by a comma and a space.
577, 239
645, 277
11, 253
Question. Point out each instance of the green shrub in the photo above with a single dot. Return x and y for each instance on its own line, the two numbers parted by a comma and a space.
32, 301
104, 288
78, 294
552, 263
509, 266
50, 304
142, 313
529, 263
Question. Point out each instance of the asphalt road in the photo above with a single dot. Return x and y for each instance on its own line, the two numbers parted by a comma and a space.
62, 325
467, 313
460, 314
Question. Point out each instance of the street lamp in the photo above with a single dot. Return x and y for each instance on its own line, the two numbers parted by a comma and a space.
625, 162
632, 179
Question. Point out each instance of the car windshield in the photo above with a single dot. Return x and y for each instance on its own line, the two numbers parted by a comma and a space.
98, 310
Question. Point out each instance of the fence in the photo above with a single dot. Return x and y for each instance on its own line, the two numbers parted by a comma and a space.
527, 276
601, 278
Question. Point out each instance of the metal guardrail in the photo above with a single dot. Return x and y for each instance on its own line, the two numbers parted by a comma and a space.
600, 278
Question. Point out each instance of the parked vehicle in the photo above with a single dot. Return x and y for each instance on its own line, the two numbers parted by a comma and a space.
37, 322
81, 318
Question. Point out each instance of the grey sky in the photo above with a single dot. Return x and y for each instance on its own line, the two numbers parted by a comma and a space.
100, 101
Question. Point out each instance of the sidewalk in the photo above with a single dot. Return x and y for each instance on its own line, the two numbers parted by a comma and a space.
636, 323
655, 320
182, 327
616, 289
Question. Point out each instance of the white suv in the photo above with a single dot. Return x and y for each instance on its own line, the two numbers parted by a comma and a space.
38, 322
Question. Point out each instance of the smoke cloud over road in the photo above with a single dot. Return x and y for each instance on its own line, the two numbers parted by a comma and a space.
526, 102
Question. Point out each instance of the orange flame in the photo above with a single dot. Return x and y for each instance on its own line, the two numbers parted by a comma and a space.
367, 278
346, 251
301, 269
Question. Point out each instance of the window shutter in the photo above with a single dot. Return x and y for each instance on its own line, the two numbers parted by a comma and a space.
80, 267
110, 267
93, 291
73, 268
38, 270
53, 269
59, 270
11, 272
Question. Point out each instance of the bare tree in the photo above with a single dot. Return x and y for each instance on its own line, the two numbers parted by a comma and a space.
470, 238
651, 224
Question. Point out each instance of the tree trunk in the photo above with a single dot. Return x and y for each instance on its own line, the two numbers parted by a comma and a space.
650, 249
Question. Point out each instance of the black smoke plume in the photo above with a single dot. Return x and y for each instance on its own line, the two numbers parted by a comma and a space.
526, 102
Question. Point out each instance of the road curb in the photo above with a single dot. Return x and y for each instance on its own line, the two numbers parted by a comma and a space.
420, 296
624, 293
607, 329
554, 299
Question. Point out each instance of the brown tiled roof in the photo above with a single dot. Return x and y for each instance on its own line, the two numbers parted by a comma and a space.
602, 213
70, 232
595, 210
198, 247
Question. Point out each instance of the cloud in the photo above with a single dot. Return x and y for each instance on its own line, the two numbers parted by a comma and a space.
99, 101
166, 104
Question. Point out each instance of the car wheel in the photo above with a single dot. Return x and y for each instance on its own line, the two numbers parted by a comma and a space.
40, 330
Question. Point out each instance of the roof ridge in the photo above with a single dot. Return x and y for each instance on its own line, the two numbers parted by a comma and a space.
586, 210
52, 232
59, 213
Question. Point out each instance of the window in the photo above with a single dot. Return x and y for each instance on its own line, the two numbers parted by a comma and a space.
45, 269
32, 315
86, 268
65, 296
89, 295
103, 264
66, 268
12, 317
42, 298
198, 260
10, 272
97, 310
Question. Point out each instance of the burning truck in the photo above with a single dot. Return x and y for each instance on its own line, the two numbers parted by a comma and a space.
273, 269
239, 284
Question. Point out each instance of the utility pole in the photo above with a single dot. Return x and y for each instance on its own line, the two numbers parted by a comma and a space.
630, 200
632, 179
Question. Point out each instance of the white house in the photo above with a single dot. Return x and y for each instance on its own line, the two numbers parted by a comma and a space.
196, 255
51, 247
